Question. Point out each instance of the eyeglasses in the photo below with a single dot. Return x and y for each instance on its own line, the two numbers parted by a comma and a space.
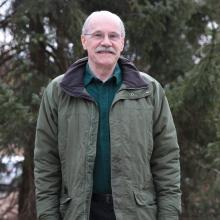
101, 36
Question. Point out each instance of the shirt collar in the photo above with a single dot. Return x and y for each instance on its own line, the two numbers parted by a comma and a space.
89, 76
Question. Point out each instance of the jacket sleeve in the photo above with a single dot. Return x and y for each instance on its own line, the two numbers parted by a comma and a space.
47, 169
165, 163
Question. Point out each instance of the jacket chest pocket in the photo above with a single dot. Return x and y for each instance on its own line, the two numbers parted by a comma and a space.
72, 130
74, 119
136, 121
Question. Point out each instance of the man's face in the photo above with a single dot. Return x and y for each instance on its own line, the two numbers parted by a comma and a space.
103, 42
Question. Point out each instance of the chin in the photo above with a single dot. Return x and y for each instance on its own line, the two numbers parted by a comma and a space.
108, 61
107, 64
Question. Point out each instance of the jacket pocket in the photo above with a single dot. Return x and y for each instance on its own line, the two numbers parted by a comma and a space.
64, 204
146, 207
144, 198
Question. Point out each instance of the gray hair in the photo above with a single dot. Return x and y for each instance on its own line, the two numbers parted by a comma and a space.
87, 21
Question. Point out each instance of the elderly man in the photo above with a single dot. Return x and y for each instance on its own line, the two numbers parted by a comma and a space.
106, 145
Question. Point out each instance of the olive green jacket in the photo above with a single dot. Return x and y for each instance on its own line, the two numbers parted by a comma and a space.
145, 171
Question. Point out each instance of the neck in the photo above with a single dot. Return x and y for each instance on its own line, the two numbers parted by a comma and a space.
102, 72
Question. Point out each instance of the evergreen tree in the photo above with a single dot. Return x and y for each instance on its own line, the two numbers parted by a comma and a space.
44, 36
165, 38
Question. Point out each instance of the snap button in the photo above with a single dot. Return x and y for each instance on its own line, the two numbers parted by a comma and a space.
131, 94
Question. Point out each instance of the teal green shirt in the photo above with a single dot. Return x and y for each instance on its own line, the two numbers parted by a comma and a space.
103, 94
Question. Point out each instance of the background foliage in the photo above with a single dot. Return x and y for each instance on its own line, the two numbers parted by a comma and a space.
175, 41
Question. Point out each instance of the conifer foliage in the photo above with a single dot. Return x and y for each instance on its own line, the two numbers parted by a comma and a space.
175, 41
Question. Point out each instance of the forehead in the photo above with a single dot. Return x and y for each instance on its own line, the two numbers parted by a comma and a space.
104, 23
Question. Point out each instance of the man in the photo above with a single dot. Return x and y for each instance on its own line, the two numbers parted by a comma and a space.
106, 145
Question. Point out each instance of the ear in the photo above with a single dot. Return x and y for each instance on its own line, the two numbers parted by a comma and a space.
83, 41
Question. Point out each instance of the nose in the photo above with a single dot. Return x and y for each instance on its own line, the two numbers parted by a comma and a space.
106, 41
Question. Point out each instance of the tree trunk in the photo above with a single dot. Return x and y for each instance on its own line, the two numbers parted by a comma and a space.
27, 206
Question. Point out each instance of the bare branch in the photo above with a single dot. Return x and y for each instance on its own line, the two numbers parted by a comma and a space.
4, 22
9, 205
3, 3
7, 55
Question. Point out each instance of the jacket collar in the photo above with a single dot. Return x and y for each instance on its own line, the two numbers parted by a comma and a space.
89, 75
72, 82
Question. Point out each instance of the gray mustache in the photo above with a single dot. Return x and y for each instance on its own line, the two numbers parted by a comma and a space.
105, 49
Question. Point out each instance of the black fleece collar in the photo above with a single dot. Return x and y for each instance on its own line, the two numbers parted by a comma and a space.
72, 82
